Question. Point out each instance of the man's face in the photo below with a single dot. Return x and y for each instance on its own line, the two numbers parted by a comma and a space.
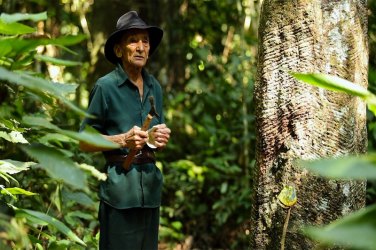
133, 48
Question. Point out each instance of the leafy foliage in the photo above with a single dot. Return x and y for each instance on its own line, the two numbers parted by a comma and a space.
28, 107
354, 230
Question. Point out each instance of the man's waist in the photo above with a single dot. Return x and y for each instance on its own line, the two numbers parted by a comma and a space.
142, 157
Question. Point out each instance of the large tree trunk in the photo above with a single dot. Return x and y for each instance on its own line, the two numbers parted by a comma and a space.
299, 121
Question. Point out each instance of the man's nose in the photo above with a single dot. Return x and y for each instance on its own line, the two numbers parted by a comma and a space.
140, 45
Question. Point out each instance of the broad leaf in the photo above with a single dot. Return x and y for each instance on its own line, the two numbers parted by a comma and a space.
26, 213
67, 40
56, 61
338, 84
16, 190
78, 197
5, 136
344, 168
57, 166
74, 218
6, 48
37, 85
57, 138
65, 88
39, 122
15, 28
11, 18
89, 135
13, 167
20, 46
357, 230
81, 215
4, 191
333, 83
7, 123
14, 136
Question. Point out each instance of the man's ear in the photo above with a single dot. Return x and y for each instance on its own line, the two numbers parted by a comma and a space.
117, 51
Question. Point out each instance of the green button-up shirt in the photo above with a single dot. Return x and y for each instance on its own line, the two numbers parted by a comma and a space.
117, 106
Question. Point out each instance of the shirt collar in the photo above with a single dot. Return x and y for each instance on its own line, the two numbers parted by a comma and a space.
123, 77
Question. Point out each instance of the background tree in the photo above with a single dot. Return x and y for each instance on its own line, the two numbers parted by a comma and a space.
296, 121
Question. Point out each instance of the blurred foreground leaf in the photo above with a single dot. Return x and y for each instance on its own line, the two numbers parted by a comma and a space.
56, 61
16, 190
357, 230
89, 135
336, 83
38, 86
15, 28
15, 17
360, 168
13, 167
32, 215
57, 165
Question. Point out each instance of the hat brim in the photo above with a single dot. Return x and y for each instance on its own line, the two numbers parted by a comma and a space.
155, 37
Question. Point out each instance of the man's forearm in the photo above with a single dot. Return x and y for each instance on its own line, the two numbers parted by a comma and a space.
118, 139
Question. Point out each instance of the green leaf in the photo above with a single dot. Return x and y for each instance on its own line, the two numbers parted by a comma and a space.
5, 136
92, 137
4, 191
11, 18
15, 28
13, 167
357, 230
74, 218
37, 85
56, 61
6, 48
6, 177
39, 122
333, 83
93, 171
81, 215
16, 190
338, 84
10, 124
14, 136
68, 40
51, 221
89, 135
78, 197
20, 46
344, 168
57, 166
55, 138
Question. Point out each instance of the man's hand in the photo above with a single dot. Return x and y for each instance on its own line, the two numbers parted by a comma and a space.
135, 138
159, 135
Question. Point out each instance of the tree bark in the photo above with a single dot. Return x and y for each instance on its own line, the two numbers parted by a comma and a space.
298, 121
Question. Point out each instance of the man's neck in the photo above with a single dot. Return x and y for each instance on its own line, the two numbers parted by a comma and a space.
134, 75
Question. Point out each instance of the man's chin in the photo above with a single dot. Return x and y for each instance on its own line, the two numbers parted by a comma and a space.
139, 62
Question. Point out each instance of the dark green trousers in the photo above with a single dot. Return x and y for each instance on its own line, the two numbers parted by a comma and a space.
128, 229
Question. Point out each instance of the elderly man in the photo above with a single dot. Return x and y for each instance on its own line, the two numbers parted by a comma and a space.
130, 198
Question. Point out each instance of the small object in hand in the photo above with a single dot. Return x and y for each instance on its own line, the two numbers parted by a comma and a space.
151, 142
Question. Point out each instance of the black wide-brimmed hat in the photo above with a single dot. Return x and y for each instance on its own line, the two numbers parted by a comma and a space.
131, 20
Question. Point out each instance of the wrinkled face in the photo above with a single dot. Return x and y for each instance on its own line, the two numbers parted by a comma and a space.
133, 48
